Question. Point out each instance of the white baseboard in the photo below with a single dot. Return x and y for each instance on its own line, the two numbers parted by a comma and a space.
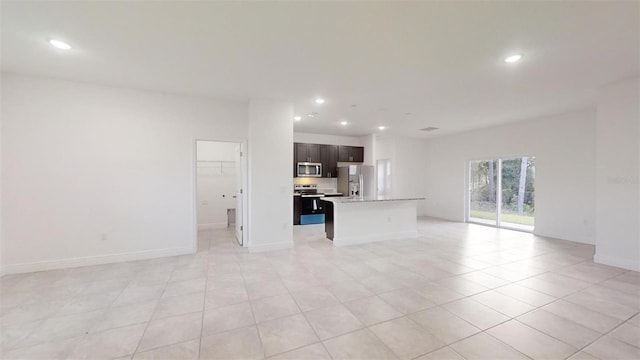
581, 240
93, 260
439, 217
617, 262
211, 226
354, 240
270, 247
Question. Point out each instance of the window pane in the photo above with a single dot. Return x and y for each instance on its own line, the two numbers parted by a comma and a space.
384, 176
518, 190
483, 177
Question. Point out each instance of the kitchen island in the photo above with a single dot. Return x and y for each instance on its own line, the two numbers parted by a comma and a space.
358, 220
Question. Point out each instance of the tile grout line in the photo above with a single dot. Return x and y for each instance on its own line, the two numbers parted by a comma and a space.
607, 333
204, 300
135, 351
304, 317
255, 322
390, 259
539, 307
79, 337
509, 282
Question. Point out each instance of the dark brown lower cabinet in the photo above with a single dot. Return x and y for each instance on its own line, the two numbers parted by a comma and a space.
328, 218
297, 210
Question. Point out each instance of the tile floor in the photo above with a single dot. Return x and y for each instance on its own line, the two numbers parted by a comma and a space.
458, 292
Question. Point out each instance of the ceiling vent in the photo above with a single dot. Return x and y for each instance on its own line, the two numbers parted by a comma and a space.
430, 128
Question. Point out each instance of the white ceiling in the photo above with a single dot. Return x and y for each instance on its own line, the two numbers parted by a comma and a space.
440, 62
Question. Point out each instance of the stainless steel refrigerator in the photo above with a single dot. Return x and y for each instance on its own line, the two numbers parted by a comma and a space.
356, 181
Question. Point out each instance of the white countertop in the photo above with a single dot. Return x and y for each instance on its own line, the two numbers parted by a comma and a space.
344, 200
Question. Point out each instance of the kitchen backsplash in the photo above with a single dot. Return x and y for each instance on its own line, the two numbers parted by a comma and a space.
324, 184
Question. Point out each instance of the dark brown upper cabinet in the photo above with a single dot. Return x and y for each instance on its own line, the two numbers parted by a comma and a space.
357, 153
350, 153
307, 153
329, 160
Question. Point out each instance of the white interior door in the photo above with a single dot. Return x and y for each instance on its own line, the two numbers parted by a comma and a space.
239, 195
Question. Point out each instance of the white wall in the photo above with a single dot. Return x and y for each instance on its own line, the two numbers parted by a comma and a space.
407, 166
216, 150
618, 173
327, 139
216, 182
96, 174
369, 143
270, 158
564, 147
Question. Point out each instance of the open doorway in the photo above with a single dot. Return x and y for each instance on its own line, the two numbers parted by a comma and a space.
502, 192
219, 189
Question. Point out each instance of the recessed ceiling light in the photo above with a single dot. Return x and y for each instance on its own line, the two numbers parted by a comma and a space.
60, 44
311, 115
319, 101
297, 118
513, 58
381, 127
344, 123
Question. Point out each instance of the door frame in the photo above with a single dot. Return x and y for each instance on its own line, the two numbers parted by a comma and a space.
244, 169
467, 195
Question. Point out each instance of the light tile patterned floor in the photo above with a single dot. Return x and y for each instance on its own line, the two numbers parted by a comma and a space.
459, 291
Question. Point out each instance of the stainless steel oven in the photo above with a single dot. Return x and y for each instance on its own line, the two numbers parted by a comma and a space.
307, 169
311, 204
311, 207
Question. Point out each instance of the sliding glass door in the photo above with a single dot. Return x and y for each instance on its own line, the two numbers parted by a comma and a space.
502, 191
517, 192
483, 183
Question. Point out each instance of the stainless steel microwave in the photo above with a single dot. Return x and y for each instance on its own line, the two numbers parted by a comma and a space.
307, 169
